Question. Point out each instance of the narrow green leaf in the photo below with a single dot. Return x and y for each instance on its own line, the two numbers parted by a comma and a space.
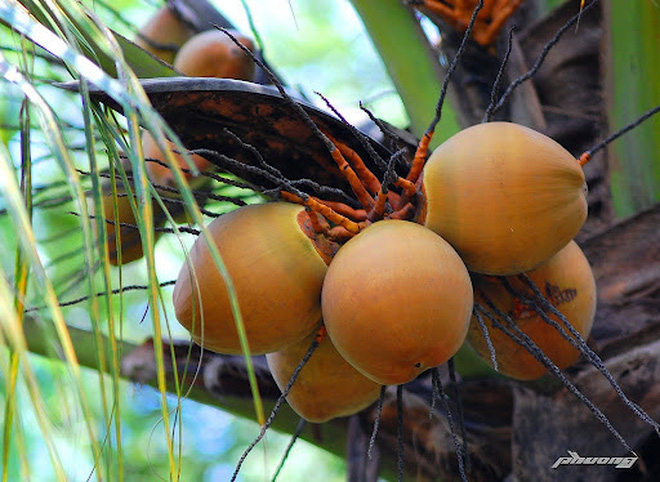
11, 332
96, 47
141, 62
22, 223
21, 277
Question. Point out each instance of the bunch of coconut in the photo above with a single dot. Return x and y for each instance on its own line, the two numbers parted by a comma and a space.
398, 298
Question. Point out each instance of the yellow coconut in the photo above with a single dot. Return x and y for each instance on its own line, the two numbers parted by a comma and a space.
124, 227
327, 387
163, 34
396, 301
213, 54
163, 176
276, 270
505, 196
567, 282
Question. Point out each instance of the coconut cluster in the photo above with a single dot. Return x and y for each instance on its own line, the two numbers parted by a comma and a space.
285, 290
435, 262
399, 297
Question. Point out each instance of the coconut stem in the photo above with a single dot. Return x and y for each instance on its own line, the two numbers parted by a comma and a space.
367, 178
353, 178
586, 157
325, 211
420, 157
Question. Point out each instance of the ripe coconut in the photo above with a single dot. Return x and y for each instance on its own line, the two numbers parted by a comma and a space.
505, 196
163, 34
163, 175
213, 54
327, 387
396, 300
276, 270
120, 237
567, 282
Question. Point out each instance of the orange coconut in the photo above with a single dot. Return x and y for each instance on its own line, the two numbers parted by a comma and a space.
396, 300
163, 34
163, 176
327, 387
131, 241
505, 196
277, 273
213, 54
567, 282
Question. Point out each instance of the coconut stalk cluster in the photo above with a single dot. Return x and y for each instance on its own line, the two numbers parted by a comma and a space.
391, 289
